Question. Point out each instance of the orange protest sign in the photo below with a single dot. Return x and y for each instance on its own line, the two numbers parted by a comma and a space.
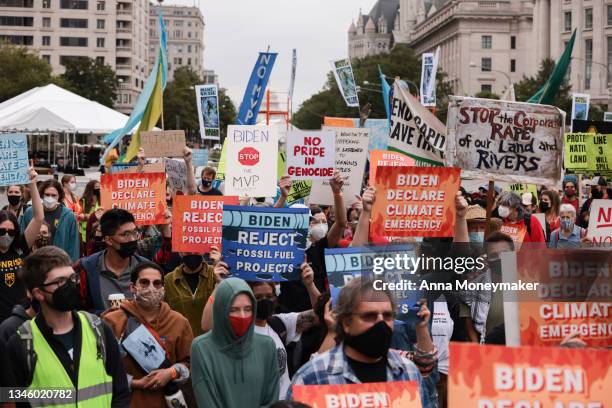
338, 122
197, 222
400, 394
516, 231
572, 296
415, 201
388, 158
527, 377
142, 194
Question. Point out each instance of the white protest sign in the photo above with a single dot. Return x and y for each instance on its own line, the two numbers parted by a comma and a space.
580, 106
311, 155
351, 156
505, 141
176, 173
14, 159
600, 222
251, 161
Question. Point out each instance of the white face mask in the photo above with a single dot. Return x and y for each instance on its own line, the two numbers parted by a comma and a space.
72, 186
503, 211
50, 202
6, 241
318, 231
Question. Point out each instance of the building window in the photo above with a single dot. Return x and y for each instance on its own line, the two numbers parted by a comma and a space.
588, 63
100, 24
512, 65
188, 34
46, 58
567, 21
588, 18
513, 42
100, 6
610, 14
46, 22
73, 4
486, 88
180, 61
17, 39
100, 42
487, 42
609, 59
486, 64
73, 22
16, 21
46, 4
73, 41
188, 61
178, 23
100, 60
189, 48
46, 41
17, 3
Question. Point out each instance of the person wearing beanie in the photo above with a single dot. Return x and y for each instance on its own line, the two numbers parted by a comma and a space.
570, 191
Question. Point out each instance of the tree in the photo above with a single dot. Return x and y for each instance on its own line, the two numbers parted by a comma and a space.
91, 79
528, 86
20, 71
487, 95
401, 62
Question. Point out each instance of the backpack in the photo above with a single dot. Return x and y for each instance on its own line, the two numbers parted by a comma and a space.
27, 342
294, 349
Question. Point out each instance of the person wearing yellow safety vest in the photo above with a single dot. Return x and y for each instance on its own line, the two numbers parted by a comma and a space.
62, 348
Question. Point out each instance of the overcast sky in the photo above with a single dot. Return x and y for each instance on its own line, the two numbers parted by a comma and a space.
236, 30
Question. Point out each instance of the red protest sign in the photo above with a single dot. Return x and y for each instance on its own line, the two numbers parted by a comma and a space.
388, 158
142, 194
415, 201
311, 155
197, 222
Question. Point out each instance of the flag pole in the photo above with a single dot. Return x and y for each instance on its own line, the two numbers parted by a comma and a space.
159, 10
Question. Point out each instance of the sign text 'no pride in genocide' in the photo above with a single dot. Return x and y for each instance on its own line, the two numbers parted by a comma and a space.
415, 201
311, 155
142, 194
14, 159
164, 143
197, 222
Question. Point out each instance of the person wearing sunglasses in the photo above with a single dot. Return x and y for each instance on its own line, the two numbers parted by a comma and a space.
148, 308
62, 348
14, 247
364, 328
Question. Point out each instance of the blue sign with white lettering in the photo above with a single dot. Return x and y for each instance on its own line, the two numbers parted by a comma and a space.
14, 164
255, 90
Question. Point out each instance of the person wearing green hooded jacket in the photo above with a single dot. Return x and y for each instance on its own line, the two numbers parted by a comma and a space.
232, 366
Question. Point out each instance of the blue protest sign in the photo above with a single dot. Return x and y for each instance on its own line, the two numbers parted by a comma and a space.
255, 90
264, 244
14, 159
199, 157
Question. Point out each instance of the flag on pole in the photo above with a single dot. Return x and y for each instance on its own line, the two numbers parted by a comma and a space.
293, 70
256, 88
546, 94
386, 91
149, 105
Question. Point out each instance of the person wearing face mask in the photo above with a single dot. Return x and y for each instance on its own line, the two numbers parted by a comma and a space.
549, 205
522, 227
205, 187
569, 235
570, 191
599, 191
63, 348
64, 229
44, 237
108, 272
148, 308
364, 328
232, 366
16, 201
71, 200
90, 203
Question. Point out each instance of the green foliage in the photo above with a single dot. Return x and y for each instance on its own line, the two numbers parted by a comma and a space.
401, 62
528, 86
91, 79
487, 95
20, 71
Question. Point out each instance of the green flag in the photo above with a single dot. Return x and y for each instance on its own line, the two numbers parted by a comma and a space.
546, 94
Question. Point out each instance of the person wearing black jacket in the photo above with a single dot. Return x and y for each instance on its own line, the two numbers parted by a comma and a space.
19, 315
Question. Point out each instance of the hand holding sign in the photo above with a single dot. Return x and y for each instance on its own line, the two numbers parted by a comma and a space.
461, 205
285, 185
336, 183
32, 174
221, 271
187, 155
368, 198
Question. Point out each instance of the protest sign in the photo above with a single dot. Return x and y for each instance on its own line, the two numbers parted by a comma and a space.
487, 376
351, 157
311, 155
158, 167
588, 152
580, 106
207, 99
176, 172
199, 157
142, 194
387, 158
222, 161
164, 143
591, 126
516, 231
343, 72
428, 78
404, 394
14, 164
415, 131
264, 244
256, 89
600, 222
252, 154
520, 188
300, 189
379, 130
505, 141
197, 222
339, 122
607, 117
415, 201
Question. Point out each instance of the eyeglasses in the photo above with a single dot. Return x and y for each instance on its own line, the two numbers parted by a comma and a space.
129, 234
10, 232
371, 317
61, 281
145, 283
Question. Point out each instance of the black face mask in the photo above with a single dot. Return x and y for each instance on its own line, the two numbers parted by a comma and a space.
169, 203
206, 183
374, 342
66, 297
265, 308
192, 261
98, 245
596, 194
127, 249
14, 200
97, 192
544, 206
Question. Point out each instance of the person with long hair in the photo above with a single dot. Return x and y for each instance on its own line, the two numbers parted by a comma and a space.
15, 196
71, 200
90, 202
549, 205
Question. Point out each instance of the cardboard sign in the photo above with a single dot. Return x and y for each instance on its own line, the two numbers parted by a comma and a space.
176, 172
415, 201
262, 243
311, 155
14, 162
300, 189
197, 222
351, 157
252, 154
199, 157
520, 188
389, 159
142, 194
505, 141
600, 222
486, 376
586, 152
165, 143
379, 129
404, 394
158, 167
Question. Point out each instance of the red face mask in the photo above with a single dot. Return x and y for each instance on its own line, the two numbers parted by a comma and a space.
240, 325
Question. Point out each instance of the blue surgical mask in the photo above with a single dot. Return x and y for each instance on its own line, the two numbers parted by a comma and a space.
566, 224
476, 236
